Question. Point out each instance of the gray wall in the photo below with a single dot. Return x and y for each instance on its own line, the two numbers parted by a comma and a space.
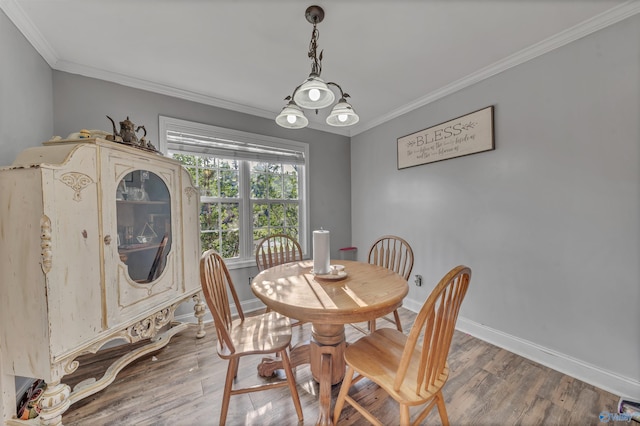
548, 222
26, 94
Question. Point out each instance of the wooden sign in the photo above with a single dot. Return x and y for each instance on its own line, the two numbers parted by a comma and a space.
469, 134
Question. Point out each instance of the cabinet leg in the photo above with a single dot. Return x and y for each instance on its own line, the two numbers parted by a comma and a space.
55, 401
199, 312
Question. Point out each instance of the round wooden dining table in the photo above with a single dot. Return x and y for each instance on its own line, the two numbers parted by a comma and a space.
360, 293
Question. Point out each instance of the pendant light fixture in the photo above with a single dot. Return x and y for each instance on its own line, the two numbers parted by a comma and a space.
314, 93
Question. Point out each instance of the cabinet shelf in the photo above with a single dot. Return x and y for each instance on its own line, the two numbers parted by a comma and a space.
132, 202
132, 248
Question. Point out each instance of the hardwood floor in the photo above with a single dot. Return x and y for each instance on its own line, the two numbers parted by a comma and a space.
181, 384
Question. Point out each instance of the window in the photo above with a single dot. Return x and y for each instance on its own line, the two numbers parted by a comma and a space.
250, 185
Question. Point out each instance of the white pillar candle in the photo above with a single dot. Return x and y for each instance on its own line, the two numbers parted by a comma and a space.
321, 252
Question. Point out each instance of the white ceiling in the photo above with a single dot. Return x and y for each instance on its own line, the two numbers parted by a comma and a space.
247, 55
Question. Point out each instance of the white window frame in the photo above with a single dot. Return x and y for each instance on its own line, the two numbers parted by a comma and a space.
167, 124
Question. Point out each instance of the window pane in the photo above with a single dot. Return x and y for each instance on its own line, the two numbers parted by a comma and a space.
258, 235
230, 244
292, 232
291, 215
260, 215
210, 240
209, 216
276, 215
290, 182
229, 216
187, 160
259, 184
275, 187
229, 183
257, 167
208, 183
208, 162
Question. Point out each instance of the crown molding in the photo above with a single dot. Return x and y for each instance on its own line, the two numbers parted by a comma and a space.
20, 19
616, 14
163, 89
598, 22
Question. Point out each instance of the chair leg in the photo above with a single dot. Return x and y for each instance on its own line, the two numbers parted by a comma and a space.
228, 384
404, 415
344, 390
235, 373
442, 409
292, 383
396, 315
372, 326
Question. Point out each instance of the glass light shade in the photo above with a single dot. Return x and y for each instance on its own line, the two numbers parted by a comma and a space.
292, 117
307, 94
342, 115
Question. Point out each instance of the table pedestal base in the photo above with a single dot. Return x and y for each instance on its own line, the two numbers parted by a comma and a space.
327, 340
325, 354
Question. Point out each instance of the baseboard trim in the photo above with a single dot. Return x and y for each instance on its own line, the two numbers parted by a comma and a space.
566, 364
588, 373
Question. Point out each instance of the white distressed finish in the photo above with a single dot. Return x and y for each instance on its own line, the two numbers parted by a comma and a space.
64, 290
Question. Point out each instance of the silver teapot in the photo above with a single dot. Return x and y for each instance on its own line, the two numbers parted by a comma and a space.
127, 132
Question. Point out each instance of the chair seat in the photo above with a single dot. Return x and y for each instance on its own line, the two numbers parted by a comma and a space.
377, 356
266, 333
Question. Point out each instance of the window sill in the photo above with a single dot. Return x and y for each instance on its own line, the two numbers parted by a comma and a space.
240, 264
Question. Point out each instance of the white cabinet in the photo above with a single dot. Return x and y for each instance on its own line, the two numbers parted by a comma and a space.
98, 241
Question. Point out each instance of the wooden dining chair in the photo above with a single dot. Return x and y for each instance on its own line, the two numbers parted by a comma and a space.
261, 334
411, 369
396, 254
277, 249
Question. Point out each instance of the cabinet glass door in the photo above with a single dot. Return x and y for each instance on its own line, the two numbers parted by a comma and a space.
144, 224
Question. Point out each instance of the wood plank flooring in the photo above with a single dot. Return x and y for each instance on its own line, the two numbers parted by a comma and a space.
181, 384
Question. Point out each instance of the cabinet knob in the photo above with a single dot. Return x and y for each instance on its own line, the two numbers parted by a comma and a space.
107, 239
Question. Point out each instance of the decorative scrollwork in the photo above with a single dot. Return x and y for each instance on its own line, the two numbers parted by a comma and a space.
71, 366
77, 182
199, 312
190, 192
149, 327
45, 244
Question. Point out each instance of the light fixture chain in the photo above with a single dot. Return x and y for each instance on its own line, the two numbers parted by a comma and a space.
316, 62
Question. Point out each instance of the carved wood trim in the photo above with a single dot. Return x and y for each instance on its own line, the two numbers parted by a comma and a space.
77, 182
149, 327
199, 311
45, 244
190, 192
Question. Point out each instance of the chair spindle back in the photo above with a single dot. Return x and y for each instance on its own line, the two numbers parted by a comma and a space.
393, 253
277, 249
216, 286
435, 323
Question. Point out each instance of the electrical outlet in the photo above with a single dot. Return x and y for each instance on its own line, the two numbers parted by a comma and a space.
418, 280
